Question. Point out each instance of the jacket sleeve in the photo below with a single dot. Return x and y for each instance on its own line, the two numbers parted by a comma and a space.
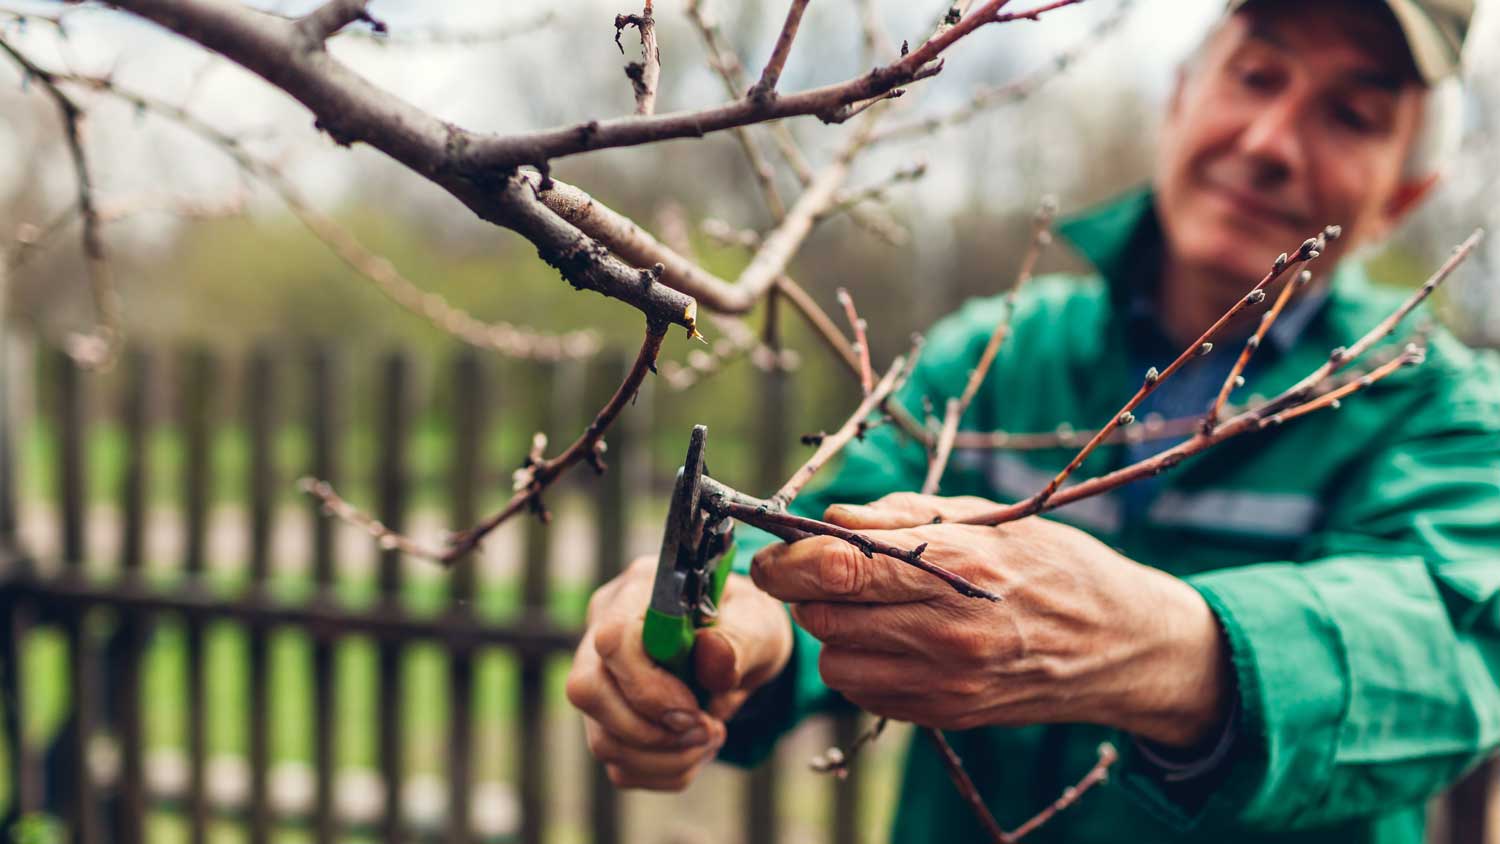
884, 461
1368, 674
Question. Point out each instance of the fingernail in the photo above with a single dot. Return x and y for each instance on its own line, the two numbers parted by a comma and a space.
679, 721
693, 737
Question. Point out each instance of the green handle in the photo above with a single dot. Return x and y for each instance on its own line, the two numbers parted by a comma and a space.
669, 638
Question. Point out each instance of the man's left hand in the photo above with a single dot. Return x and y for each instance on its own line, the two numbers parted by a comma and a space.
1083, 635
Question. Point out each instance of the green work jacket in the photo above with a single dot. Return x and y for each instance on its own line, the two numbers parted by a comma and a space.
1352, 557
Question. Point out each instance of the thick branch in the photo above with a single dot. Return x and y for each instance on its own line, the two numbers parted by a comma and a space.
494, 151
350, 109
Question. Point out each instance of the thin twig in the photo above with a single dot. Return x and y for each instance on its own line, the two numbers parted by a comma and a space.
97, 348
544, 472
832, 444
861, 341
532, 479
956, 407
1097, 774
1235, 378
1310, 249
645, 75
766, 86
965, 786
502, 337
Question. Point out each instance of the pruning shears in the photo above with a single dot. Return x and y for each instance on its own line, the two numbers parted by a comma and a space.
697, 551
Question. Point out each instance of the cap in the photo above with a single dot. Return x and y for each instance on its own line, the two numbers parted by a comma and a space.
1434, 31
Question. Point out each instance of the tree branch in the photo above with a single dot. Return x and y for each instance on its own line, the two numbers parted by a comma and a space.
766, 86
832, 444
535, 478
328, 19
96, 349
350, 109
644, 75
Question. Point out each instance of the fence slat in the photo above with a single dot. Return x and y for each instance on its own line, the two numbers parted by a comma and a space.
25, 779
130, 799
78, 799
322, 403
466, 469
391, 710
610, 552
259, 422
196, 384
533, 739
774, 434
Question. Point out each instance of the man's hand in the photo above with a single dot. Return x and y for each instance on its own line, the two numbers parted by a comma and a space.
1084, 634
641, 721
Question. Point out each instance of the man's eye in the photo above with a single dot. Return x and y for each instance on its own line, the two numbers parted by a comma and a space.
1351, 118
1256, 79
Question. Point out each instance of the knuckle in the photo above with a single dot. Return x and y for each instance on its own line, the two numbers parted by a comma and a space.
833, 668
817, 619
619, 777
602, 746
841, 571
582, 689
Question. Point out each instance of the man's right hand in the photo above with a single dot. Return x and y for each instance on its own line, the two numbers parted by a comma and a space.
641, 721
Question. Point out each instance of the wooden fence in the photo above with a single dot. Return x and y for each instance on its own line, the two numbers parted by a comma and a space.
66, 596
61, 595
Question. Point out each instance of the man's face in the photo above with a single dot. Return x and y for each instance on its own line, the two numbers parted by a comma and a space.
1296, 116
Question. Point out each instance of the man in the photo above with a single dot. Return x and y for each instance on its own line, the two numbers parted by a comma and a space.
1290, 637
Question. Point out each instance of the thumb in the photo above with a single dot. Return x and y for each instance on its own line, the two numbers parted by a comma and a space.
862, 517
747, 647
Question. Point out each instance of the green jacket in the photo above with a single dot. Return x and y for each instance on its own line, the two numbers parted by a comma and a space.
1351, 556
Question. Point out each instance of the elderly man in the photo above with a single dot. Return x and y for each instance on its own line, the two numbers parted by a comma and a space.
1291, 637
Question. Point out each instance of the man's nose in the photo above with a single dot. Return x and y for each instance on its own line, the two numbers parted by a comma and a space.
1273, 140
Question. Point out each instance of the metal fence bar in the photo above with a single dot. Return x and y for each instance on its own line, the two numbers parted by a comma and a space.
391, 709
532, 741
466, 470
609, 555
196, 381
322, 403
260, 425
130, 794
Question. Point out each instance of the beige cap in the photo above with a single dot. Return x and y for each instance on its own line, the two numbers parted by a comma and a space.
1434, 31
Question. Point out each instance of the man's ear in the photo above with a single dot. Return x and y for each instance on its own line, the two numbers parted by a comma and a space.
1407, 196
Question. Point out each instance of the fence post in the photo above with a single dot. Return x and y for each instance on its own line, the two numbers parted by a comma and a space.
533, 741
259, 420
25, 781
612, 524
130, 798
322, 404
79, 787
466, 469
393, 480
761, 811
196, 382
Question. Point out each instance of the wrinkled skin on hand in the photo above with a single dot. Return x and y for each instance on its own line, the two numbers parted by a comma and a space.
1083, 635
642, 722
